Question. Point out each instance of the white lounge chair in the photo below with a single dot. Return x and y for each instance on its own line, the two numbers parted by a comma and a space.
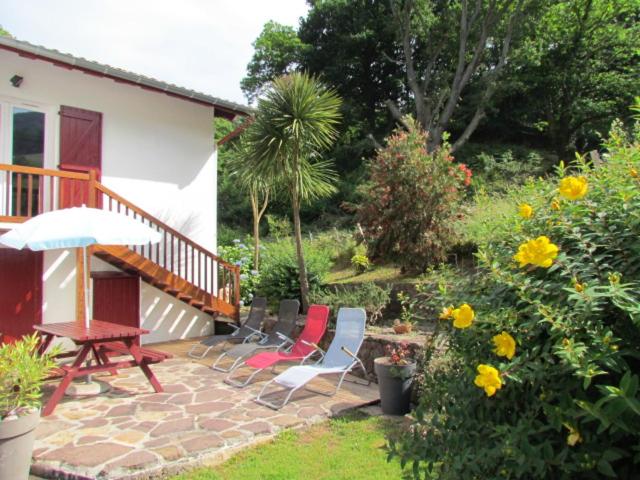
340, 359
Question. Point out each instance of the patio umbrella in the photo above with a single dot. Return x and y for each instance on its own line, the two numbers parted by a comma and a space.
79, 227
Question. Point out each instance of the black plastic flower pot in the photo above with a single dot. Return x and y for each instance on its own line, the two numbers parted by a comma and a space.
395, 383
16, 446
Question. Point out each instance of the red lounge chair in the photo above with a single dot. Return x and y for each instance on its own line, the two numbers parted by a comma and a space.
304, 348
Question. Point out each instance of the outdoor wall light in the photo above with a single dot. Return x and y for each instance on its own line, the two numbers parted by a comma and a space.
16, 81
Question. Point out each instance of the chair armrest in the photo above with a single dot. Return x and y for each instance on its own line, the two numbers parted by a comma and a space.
314, 345
350, 353
236, 329
283, 337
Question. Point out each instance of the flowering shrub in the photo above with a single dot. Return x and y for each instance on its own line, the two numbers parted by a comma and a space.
241, 254
411, 199
543, 383
398, 354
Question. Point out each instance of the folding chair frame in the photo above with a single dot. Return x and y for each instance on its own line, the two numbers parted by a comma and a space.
356, 363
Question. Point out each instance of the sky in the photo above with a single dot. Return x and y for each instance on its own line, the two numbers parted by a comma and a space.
204, 45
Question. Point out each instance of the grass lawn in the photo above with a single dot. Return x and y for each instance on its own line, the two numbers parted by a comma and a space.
350, 447
379, 273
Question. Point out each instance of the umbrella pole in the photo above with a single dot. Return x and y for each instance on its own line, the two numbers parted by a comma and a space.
87, 278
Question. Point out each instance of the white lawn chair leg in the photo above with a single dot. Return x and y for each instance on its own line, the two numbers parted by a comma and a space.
272, 405
358, 363
222, 369
199, 357
239, 384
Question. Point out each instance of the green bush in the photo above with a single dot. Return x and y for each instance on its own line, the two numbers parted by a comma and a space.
410, 201
360, 263
369, 296
279, 273
543, 381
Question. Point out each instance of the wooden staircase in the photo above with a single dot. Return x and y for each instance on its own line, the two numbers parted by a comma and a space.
175, 265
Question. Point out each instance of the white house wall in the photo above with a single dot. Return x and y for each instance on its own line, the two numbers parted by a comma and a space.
157, 151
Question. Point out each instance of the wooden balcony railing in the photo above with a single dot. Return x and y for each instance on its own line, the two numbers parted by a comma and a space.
26, 192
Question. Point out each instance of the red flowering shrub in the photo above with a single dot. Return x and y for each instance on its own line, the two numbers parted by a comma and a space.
411, 197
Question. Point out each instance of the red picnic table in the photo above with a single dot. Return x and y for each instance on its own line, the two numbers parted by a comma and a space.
101, 338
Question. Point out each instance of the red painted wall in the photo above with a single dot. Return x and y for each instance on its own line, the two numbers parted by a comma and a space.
116, 298
20, 292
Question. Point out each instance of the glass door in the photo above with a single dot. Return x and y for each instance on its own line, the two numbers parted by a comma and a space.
27, 150
23, 142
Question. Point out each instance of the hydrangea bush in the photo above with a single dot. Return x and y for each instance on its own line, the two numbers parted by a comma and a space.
539, 353
241, 254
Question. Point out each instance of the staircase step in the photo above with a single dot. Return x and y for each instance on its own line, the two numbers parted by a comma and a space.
184, 297
197, 303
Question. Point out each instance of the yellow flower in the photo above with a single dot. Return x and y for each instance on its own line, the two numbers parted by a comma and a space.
540, 252
579, 287
573, 188
505, 345
463, 316
526, 211
634, 173
555, 204
446, 312
488, 378
574, 436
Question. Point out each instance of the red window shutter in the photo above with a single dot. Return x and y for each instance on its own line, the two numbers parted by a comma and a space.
80, 151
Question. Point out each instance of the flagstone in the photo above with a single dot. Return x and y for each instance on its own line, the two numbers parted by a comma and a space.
257, 428
90, 439
121, 410
216, 424
130, 437
45, 429
202, 443
173, 426
181, 399
170, 452
88, 455
209, 407
134, 460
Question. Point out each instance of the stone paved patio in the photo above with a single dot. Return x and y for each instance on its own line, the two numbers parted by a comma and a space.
133, 433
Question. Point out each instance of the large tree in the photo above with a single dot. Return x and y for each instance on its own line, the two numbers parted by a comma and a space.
446, 46
277, 51
296, 119
578, 69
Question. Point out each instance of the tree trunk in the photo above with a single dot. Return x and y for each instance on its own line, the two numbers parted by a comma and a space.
304, 282
257, 216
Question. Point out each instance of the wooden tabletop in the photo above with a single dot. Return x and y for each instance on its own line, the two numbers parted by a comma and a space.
98, 330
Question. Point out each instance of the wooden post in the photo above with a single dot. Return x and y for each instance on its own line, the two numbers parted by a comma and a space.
80, 279
93, 191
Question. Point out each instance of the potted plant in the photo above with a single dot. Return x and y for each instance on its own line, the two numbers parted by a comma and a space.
395, 379
22, 372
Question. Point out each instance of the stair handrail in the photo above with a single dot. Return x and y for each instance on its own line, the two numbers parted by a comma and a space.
99, 186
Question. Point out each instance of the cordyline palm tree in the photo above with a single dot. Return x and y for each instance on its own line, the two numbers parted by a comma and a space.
296, 119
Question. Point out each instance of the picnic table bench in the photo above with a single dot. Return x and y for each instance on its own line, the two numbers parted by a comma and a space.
100, 339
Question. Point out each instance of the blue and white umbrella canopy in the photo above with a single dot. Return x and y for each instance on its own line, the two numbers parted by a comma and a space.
79, 227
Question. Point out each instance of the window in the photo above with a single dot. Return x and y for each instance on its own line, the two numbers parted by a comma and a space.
23, 142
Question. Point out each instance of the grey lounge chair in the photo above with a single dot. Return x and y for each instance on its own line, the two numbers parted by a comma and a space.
250, 330
340, 359
280, 338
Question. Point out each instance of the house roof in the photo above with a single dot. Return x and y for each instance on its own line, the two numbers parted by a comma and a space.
223, 108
